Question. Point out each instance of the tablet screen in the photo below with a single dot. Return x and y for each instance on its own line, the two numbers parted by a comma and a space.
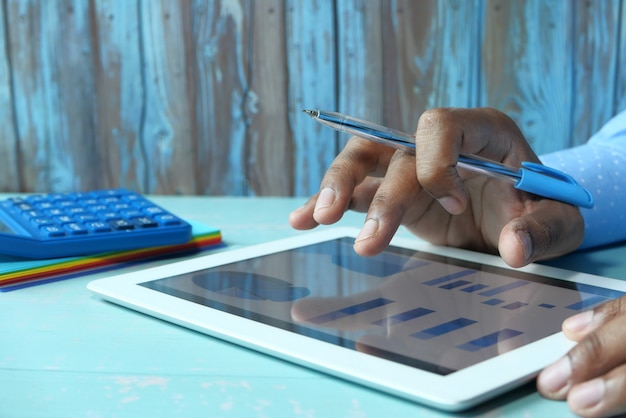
428, 311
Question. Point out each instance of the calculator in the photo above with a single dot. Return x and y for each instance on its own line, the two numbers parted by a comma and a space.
82, 223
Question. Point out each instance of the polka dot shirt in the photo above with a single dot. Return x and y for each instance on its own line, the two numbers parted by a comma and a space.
600, 166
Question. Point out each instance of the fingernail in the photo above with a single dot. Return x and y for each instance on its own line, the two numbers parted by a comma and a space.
554, 379
325, 199
369, 229
579, 321
587, 395
451, 205
527, 243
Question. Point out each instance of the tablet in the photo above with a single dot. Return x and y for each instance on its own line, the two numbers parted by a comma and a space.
440, 326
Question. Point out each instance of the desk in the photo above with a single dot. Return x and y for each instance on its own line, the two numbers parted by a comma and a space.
66, 353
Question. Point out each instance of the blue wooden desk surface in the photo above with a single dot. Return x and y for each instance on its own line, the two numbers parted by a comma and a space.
66, 353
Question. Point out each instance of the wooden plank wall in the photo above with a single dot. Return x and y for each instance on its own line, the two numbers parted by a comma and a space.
204, 97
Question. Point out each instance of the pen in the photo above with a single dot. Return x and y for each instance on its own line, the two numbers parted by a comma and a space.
530, 177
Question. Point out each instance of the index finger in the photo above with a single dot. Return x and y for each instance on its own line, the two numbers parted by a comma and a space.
359, 159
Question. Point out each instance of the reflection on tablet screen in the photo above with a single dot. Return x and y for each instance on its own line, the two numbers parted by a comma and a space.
431, 312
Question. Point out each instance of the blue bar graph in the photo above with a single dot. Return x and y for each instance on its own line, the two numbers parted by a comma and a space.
493, 302
514, 305
454, 285
449, 277
350, 310
586, 303
504, 288
444, 328
403, 317
489, 340
474, 288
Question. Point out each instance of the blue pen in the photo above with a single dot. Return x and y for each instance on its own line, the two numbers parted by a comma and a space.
530, 177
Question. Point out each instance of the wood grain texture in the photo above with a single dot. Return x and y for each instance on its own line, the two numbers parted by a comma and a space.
119, 94
594, 61
168, 131
360, 44
53, 90
269, 146
312, 62
205, 96
619, 95
220, 44
528, 69
431, 57
9, 145
555, 70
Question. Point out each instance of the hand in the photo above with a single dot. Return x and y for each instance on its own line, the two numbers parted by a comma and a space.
439, 203
592, 377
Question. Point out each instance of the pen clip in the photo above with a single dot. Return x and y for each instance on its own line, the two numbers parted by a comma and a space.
554, 184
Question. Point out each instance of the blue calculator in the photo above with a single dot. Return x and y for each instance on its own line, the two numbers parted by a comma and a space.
74, 224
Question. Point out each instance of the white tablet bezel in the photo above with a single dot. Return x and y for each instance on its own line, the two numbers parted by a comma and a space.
453, 392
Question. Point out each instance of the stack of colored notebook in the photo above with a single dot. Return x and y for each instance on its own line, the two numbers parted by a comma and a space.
16, 272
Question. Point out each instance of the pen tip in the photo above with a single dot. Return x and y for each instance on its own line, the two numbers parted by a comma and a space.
312, 113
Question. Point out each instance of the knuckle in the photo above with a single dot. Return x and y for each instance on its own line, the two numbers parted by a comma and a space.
336, 169
385, 205
611, 309
438, 181
402, 157
588, 356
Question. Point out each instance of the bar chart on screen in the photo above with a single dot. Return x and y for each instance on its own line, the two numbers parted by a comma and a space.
432, 310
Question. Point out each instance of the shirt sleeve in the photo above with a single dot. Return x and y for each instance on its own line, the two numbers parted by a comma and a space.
600, 167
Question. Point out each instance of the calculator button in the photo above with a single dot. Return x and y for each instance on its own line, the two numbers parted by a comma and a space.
52, 231
121, 224
109, 215
54, 197
75, 210
132, 197
88, 201
153, 210
110, 200
32, 214
141, 203
86, 218
145, 222
75, 229
25, 207
65, 203
120, 206
167, 219
40, 221
36, 198
54, 212
133, 213
98, 208
44, 205
98, 226
63, 219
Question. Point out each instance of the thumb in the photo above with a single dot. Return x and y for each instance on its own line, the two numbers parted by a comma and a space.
548, 230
